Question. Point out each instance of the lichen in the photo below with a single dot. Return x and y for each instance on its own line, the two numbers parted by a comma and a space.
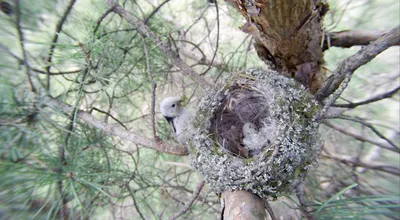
292, 148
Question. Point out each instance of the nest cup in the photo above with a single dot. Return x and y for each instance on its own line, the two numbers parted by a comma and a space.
256, 132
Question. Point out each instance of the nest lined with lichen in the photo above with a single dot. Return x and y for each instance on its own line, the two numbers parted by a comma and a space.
257, 132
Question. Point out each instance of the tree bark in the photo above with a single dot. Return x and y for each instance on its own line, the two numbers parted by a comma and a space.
242, 205
288, 36
349, 38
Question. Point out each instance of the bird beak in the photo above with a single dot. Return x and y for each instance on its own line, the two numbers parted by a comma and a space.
171, 122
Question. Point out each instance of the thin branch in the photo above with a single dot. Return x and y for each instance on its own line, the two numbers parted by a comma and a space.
61, 152
21, 42
108, 114
361, 137
56, 73
54, 41
153, 91
370, 126
303, 207
161, 44
217, 43
374, 99
351, 64
270, 211
118, 131
102, 17
155, 11
384, 168
351, 38
21, 61
190, 203
128, 187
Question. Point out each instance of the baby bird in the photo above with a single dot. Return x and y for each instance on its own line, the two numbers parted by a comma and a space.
253, 139
177, 116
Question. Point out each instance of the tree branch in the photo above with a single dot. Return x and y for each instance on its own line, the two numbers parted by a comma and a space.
242, 205
361, 137
366, 124
190, 203
351, 38
153, 91
351, 64
21, 42
374, 99
349, 160
118, 131
162, 45
54, 41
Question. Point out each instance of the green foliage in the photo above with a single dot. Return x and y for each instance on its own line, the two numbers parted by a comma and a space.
358, 207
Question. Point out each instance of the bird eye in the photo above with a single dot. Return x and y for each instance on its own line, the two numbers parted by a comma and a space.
173, 105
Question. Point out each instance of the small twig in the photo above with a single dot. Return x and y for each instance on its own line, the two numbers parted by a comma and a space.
21, 42
384, 168
343, 73
61, 153
107, 113
270, 211
100, 20
361, 121
300, 195
153, 91
360, 137
374, 99
217, 43
54, 41
190, 203
135, 205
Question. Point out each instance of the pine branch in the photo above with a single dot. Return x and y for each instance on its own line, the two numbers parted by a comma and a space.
21, 42
162, 45
54, 41
117, 130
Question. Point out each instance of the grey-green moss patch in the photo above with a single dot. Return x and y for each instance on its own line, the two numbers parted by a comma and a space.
292, 146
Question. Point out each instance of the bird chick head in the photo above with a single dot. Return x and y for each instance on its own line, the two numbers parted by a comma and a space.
170, 107
249, 128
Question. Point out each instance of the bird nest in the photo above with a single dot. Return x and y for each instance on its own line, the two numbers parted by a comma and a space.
256, 132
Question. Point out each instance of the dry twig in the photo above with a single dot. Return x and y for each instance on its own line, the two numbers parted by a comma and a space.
190, 203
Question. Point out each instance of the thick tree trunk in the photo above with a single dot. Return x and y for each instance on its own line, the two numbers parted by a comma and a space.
288, 37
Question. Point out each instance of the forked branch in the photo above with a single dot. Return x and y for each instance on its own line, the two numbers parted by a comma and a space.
351, 64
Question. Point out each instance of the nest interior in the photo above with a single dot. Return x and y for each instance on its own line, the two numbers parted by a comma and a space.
243, 103
256, 132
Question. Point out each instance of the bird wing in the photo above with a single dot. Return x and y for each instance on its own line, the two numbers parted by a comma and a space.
181, 124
